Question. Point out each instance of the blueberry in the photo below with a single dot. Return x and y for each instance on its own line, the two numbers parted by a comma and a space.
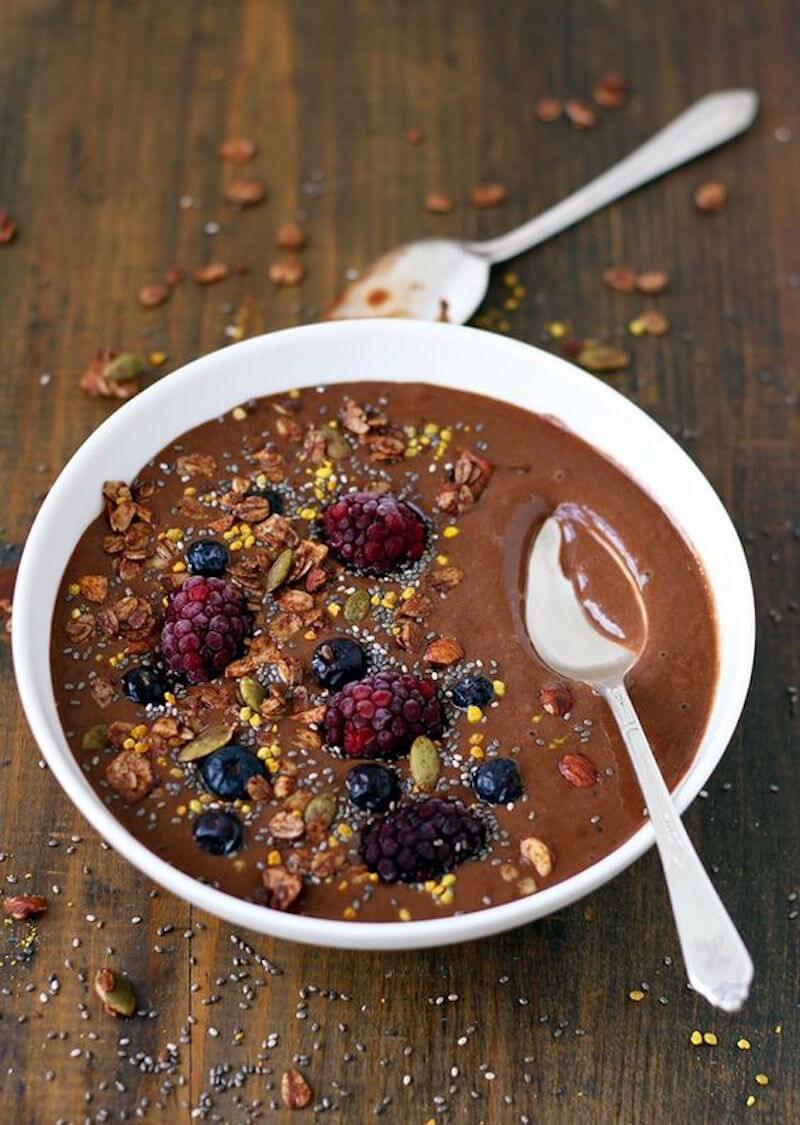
338, 662
372, 787
226, 772
498, 781
217, 832
273, 498
473, 691
144, 684
208, 557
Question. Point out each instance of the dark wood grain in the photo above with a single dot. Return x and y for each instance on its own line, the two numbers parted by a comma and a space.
109, 113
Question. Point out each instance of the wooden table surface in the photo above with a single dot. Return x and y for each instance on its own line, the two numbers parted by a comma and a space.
110, 116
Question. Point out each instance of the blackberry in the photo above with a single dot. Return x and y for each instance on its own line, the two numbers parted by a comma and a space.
374, 532
204, 630
422, 841
381, 715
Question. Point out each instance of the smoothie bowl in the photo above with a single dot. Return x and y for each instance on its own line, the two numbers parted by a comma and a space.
269, 632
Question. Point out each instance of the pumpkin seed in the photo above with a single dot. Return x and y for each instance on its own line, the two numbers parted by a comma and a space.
424, 763
127, 365
357, 607
279, 569
212, 738
321, 810
116, 992
96, 738
251, 691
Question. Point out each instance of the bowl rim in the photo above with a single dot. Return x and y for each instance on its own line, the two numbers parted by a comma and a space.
43, 721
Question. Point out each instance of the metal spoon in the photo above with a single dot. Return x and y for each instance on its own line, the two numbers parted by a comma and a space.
445, 279
717, 962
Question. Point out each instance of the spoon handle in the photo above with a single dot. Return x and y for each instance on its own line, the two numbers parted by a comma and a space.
717, 962
710, 122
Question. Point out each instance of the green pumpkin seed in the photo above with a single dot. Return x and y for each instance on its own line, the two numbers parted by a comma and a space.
336, 445
424, 763
211, 739
123, 367
321, 810
116, 992
280, 569
251, 691
357, 606
96, 738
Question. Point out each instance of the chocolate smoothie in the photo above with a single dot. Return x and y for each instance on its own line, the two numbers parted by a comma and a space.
291, 655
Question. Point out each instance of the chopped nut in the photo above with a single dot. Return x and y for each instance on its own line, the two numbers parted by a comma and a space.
711, 197
113, 374
211, 273
23, 907
578, 771
652, 322
443, 652
94, 587
287, 826
538, 854
415, 135
258, 788
287, 272
151, 296
438, 203
602, 358
446, 578
290, 236
580, 113
483, 196
283, 889
556, 699
237, 150
609, 91
295, 1091
8, 228
653, 282
245, 192
619, 279
548, 109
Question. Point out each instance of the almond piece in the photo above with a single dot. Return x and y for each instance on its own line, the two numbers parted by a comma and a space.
295, 1091
287, 826
578, 771
443, 652
556, 699
23, 907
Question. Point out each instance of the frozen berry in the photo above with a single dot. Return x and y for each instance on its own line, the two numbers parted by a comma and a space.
226, 772
207, 556
381, 715
422, 841
144, 684
498, 781
217, 832
338, 662
204, 629
373, 531
371, 787
473, 691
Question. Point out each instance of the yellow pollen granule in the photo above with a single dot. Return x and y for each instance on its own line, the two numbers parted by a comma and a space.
446, 897
195, 805
129, 743
176, 772
751, 1101
190, 490
250, 541
442, 560
245, 713
404, 914
474, 714
762, 1080
448, 880
75, 614
263, 753
155, 359
476, 752
696, 1038
345, 831
179, 567
710, 1038
556, 329
636, 994
239, 413
273, 858
273, 766
236, 544
74, 589
637, 327
499, 688
743, 1044
348, 913
333, 610
174, 534
181, 810
309, 635
307, 513
255, 721
408, 593
450, 532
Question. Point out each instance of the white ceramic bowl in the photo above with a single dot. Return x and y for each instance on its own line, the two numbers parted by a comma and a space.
395, 351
